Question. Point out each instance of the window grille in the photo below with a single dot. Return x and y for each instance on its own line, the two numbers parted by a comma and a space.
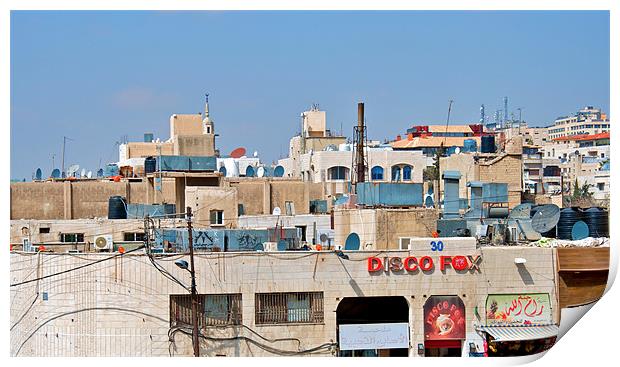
289, 308
213, 309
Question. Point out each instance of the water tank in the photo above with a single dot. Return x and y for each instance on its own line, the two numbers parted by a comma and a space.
488, 144
111, 170
148, 137
150, 165
597, 220
117, 208
568, 218
470, 145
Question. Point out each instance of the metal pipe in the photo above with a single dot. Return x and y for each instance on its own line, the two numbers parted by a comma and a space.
361, 169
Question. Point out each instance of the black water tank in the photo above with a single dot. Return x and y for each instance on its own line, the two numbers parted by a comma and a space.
568, 218
597, 220
150, 165
117, 208
488, 144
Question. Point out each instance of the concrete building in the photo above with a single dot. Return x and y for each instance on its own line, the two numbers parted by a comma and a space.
588, 121
291, 303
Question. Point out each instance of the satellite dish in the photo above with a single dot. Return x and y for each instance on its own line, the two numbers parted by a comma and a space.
282, 245
55, 173
238, 153
278, 171
545, 217
521, 211
352, 242
277, 211
580, 231
260, 172
323, 237
73, 169
249, 171
83, 173
457, 150
100, 172
38, 174
255, 154
89, 174
223, 170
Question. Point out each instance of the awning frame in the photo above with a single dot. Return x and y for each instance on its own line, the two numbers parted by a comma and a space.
504, 333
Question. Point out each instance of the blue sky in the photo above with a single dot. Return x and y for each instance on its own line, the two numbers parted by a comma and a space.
96, 76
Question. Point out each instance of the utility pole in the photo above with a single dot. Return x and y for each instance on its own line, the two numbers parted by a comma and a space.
520, 121
64, 142
195, 340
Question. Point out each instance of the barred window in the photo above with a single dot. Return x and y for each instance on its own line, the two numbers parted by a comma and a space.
289, 308
213, 309
72, 237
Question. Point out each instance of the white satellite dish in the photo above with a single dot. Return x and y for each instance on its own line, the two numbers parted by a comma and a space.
89, 174
260, 172
457, 150
72, 170
83, 173
277, 211
255, 154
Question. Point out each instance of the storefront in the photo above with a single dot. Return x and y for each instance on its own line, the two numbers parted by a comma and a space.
444, 326
518, 324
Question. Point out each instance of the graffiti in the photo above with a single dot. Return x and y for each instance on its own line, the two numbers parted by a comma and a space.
248, 241
205, 239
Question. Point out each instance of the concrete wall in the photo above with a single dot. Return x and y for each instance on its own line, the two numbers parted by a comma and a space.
195, 145
121, 307
203, 199
70, 199
142, 149
185, 124
507, 169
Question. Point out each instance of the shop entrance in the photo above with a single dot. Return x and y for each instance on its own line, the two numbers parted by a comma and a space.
444, 326
390, 312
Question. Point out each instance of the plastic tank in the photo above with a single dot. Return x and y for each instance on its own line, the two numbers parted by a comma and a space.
117, 208
568, 218
488, 144
597, 220
150, 165
469, 145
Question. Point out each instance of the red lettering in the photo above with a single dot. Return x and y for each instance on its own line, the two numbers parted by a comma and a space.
443, 261
426, 263
374, 264
396, 264
460, 263
409, 266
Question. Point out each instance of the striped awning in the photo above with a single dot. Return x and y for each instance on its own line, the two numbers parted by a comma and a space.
511, 333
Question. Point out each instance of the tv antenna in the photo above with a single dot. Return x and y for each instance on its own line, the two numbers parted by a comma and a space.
64, 142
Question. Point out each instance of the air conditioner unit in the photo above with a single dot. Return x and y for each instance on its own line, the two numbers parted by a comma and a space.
103, 242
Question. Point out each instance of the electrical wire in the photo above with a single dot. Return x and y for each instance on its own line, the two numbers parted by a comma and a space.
76, 268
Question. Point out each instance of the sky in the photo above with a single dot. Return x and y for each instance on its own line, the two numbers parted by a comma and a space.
97, 76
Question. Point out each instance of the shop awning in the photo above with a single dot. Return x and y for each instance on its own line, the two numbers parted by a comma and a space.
511, 333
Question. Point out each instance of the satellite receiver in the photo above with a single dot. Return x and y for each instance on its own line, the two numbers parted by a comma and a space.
83, 173
260, 172
72, 170
521, 211
38, 175
457, 150
352, 242
89, 174
238, 153
282, 245
100, 172
249, 171
545, 218
278, 171
277, 211
580, 231
255, 154
55, 173
223, 170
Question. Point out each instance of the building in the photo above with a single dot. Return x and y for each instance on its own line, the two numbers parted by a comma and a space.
589, 120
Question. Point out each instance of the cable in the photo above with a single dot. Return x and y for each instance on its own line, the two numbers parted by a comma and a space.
76, 268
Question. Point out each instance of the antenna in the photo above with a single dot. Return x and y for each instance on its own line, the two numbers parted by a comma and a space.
359, 137
64, 142
447, 122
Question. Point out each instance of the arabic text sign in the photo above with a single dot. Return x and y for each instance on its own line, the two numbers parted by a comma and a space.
518, 309
374, 336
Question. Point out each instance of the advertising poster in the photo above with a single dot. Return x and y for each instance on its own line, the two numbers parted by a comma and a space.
444, 318
518, 309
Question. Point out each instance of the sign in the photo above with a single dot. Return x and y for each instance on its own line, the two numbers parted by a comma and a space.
444, 318
374, 336
518, 309
424, 263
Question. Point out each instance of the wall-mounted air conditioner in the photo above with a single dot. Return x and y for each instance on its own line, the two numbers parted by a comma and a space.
103, 242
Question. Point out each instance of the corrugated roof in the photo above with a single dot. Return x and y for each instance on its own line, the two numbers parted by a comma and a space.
432, 142
583, 137
450, 129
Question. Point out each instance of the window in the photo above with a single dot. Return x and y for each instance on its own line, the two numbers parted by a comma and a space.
337, 173
395, 173
44, 230
376, 173
131, 236
214, 309
217, 217
72, 237
600, 186
404, 243
289, 308
407, 173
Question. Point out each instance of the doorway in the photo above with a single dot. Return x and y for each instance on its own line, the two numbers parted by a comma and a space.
373, 310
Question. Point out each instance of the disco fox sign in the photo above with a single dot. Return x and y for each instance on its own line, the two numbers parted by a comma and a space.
424, 263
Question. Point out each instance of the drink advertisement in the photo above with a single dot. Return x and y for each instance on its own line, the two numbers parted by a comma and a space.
518, 309
444, 318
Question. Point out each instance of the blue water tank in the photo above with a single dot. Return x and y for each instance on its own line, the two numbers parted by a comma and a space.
117, 208
470, 145
150, 165
488, 144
